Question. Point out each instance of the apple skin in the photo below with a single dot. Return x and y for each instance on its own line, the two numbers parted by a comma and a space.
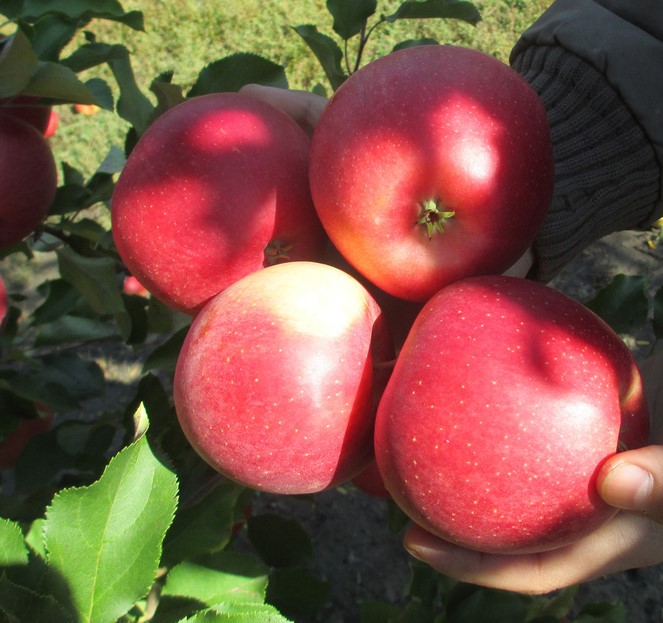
369, 480
216, 188
52, 125
274, 384
14, 443
504, 402
131, 285
28, 108
442, 123
28, 179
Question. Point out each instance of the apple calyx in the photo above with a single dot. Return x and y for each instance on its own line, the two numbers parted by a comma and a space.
276, 251
433, 215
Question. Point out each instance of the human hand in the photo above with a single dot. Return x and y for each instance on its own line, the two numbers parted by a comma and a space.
633, 538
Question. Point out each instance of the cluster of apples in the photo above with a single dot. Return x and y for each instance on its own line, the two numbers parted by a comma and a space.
348, 309
28, 174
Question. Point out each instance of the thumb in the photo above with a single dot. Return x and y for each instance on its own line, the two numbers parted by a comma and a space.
633, 480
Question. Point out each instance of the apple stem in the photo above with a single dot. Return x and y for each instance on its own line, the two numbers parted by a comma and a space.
276, 252
433, 216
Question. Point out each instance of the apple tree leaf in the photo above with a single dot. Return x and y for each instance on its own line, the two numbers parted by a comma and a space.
18, 62
350, 15
82, 10
622, 303
238, 613
414, 43
232, 72
280, 542
132, 105
228, 577
445, 9
297, 593
14, 550
105, 539
204, 527
657, 320
21, 603
95, 278
327, 52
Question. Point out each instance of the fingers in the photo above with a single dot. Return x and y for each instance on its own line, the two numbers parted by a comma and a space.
627, 541
633, 480
304, 107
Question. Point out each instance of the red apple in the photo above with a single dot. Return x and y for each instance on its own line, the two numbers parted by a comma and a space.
4, 304
29, 109
14, 443
215, 189
504, 402
432, 164
274, 385
28, 179
369, 480
52, 126
131, 285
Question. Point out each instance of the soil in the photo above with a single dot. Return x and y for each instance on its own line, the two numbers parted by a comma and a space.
362, 560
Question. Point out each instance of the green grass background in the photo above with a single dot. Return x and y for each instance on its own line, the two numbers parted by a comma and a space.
183, 36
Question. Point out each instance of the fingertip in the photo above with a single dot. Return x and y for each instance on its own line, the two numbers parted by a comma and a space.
626, 485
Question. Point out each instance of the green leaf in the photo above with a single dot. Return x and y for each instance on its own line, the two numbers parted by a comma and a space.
623, 303
83, 10
471, 603
20, 603
657, 321
414, 43
280, 542
92, 54
445, 9
350, 15
60, 297
95, 278
61, 380
18, 62
203, 528
105, 539
164, 356
379, 612
133, 105
327, 52
296, 593
602, 613
55, 81
233, 72
14, 550
74, 329
234, 578
238, 613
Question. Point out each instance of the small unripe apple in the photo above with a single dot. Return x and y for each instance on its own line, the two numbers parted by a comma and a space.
504, 402
28, 179
274, 385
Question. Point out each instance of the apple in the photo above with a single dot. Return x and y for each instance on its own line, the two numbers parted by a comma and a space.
504, 402
369, 480
29, 109
28, 179
432, 164
52, 126
216, 188
86, 109
13, 444
131, 285
274, 385
4, 304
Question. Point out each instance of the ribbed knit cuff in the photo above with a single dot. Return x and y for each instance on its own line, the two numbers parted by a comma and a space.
606, 170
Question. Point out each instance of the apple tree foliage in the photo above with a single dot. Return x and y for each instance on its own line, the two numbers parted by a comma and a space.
110, 516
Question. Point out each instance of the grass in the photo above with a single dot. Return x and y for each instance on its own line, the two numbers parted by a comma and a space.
183, 36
